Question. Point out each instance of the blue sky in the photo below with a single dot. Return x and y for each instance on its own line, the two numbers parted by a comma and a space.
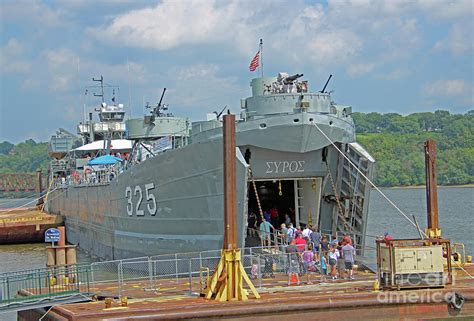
386, 56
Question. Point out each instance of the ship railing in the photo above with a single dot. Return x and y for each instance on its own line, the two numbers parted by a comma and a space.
276, 238
93, 179
210, 253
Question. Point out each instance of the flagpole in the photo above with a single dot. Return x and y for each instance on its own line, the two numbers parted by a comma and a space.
261, 57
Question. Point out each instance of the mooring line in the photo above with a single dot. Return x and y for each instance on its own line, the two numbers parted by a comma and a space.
363, 175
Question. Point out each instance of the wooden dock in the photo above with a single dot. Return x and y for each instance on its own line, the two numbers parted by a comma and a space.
331, 300
25, 225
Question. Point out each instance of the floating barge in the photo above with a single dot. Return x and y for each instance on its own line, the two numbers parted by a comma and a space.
331, 300
26, 225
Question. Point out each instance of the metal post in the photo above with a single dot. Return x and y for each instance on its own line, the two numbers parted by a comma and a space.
38, 182
8, 289
39, 281
92, 273
230, 186
176, 265
431, 188
150, 274
190, 278
49, 282
200, 259
87, 280
297, 204
120, 278
230, 267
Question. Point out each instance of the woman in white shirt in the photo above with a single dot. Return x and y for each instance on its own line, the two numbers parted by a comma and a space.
333, 256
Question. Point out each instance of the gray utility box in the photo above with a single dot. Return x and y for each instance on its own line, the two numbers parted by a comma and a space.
410, 266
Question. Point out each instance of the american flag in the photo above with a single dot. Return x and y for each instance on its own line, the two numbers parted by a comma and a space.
255, 62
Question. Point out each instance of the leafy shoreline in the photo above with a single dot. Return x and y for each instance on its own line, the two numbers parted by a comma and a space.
395, 141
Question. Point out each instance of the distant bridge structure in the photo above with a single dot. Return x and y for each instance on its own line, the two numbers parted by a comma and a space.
22, 182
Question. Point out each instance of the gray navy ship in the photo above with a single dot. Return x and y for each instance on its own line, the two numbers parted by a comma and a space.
162, 191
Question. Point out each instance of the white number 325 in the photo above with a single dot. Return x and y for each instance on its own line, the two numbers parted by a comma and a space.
137, 193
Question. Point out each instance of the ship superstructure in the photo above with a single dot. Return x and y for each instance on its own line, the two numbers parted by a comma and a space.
167, 193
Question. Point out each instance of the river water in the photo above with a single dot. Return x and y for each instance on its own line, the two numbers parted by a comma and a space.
456, 214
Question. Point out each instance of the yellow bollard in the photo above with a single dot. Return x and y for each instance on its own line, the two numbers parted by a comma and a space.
108, 303
52, 281
66, 280
124, 301
469, 259
376, 286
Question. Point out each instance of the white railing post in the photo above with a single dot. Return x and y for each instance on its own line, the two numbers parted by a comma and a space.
176, 265
120, 277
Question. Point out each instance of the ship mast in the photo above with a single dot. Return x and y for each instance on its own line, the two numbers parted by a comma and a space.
101, 80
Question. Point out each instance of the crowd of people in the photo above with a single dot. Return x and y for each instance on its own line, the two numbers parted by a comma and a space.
89, 175
309, 252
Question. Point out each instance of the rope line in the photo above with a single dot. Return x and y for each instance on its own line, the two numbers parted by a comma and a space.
470, 276
256, 194
16, 200
20, 207
363, 175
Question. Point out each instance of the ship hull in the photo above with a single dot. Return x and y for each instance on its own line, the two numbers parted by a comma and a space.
111, 221
173, 202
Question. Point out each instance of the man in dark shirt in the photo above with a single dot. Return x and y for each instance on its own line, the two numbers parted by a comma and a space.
315, 238
293, 262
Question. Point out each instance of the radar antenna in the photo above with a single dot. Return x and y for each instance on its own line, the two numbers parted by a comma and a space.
101, 80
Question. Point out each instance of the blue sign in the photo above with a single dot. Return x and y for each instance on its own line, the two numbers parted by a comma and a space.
52, 235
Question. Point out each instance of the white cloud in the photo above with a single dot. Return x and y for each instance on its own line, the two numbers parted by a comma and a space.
338, 33
173, 23
190, 90
357, 70
11, 60
459, 39
333, 46
13, 48
395, 74
31, 11
446, 9
199, 71
433, 9
309, 20
453, 88
62, 67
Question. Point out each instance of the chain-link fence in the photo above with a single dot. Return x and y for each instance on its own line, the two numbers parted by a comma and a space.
190, 273
108, 271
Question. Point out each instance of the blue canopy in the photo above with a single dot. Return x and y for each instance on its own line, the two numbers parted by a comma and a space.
104, 160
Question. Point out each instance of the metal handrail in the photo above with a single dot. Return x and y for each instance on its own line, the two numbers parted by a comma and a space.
38, 284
